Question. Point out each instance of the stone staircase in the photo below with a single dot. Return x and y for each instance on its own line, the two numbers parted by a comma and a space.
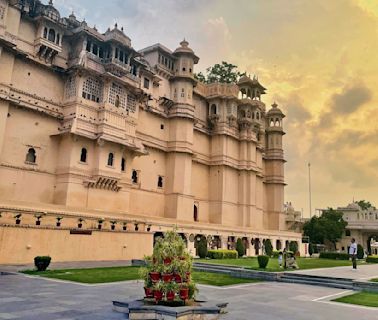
340, 283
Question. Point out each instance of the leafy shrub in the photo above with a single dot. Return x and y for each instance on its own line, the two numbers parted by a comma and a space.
275, 253
268, 248
360, 252
202, 248
334, 255
222, 254
293, 246
263, 261
240, 247
42, 262
372, 259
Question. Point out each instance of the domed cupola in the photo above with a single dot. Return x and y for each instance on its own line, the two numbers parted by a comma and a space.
274, 116
51, 12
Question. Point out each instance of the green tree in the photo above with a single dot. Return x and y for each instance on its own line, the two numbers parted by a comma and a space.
202, 247
221, 72
364, 205
328, 227
360, 252
268, 247
293, 246
310, 249
240, 247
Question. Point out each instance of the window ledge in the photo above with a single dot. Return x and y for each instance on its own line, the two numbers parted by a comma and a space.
110, 167
84, 163
31, 163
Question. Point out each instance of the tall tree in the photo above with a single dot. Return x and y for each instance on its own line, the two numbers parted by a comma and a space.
328, 227
224, 72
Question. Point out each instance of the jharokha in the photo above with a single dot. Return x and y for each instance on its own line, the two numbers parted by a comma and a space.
104, 147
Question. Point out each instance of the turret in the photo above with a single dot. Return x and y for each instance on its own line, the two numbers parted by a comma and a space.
274, 132
183, 79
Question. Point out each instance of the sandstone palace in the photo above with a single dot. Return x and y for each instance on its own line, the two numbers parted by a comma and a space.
103, 147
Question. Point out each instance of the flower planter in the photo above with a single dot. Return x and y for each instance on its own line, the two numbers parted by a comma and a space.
38, 223
58, 224
177, 278
184, 293
155, 276
167, 277
167, 260
149, 292
170, 295
158, 295
18, 221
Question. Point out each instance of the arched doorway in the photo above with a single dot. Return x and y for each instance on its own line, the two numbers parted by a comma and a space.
257, 246
246, 244
231, 245
278, 245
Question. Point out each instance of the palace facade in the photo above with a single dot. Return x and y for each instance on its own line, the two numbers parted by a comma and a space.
103, 147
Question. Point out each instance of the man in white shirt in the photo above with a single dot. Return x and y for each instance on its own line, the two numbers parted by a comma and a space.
353, 253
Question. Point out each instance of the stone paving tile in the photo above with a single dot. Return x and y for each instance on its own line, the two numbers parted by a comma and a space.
11, 299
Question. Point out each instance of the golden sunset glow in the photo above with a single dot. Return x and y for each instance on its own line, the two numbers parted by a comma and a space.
318, 60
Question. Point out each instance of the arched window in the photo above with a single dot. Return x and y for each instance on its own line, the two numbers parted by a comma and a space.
51, 35
195, 213
213, 109
116, 103
242, 113
83, 155
58, 39
123, 164
278, 244
45, 33
182, 93
271, 123
257, 115
110, 159
253, 115
277, 122
160, 182
134, 176
31, 156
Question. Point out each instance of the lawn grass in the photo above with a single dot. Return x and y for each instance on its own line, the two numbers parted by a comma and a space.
303, 263
368, 299
114, 274
217, 279
374, 280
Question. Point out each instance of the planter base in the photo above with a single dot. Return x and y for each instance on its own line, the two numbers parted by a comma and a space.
144, 309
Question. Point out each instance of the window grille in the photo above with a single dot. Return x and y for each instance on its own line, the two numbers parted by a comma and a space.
117, 95
70, 89
92, 89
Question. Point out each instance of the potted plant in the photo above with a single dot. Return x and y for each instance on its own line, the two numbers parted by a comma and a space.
144, 273
38, 216
170, 291
113, 224
80, 224
18, 218
158, 291
124, 227
155, 273
100, 222
184, 291
58, 219
167, 274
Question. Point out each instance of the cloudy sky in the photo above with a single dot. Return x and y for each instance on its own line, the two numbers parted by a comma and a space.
318, 59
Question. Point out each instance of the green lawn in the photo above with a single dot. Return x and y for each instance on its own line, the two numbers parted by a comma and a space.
368, 299
103, 275
303, 263
374, 280
216, 279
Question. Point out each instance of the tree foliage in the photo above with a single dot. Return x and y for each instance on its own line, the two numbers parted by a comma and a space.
202, 247
293, 246
328, 227
240, 247
224, 73
268, 247
364, 205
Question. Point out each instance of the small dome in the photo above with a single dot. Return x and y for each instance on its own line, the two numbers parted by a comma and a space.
184, 48
275, 111
50, 12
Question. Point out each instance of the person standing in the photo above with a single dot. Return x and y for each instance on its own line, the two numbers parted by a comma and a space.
353, 253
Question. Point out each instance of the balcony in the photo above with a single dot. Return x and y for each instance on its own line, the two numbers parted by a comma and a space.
46, 49
116, 67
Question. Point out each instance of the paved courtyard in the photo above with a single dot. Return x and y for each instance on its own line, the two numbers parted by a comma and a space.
24, 297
